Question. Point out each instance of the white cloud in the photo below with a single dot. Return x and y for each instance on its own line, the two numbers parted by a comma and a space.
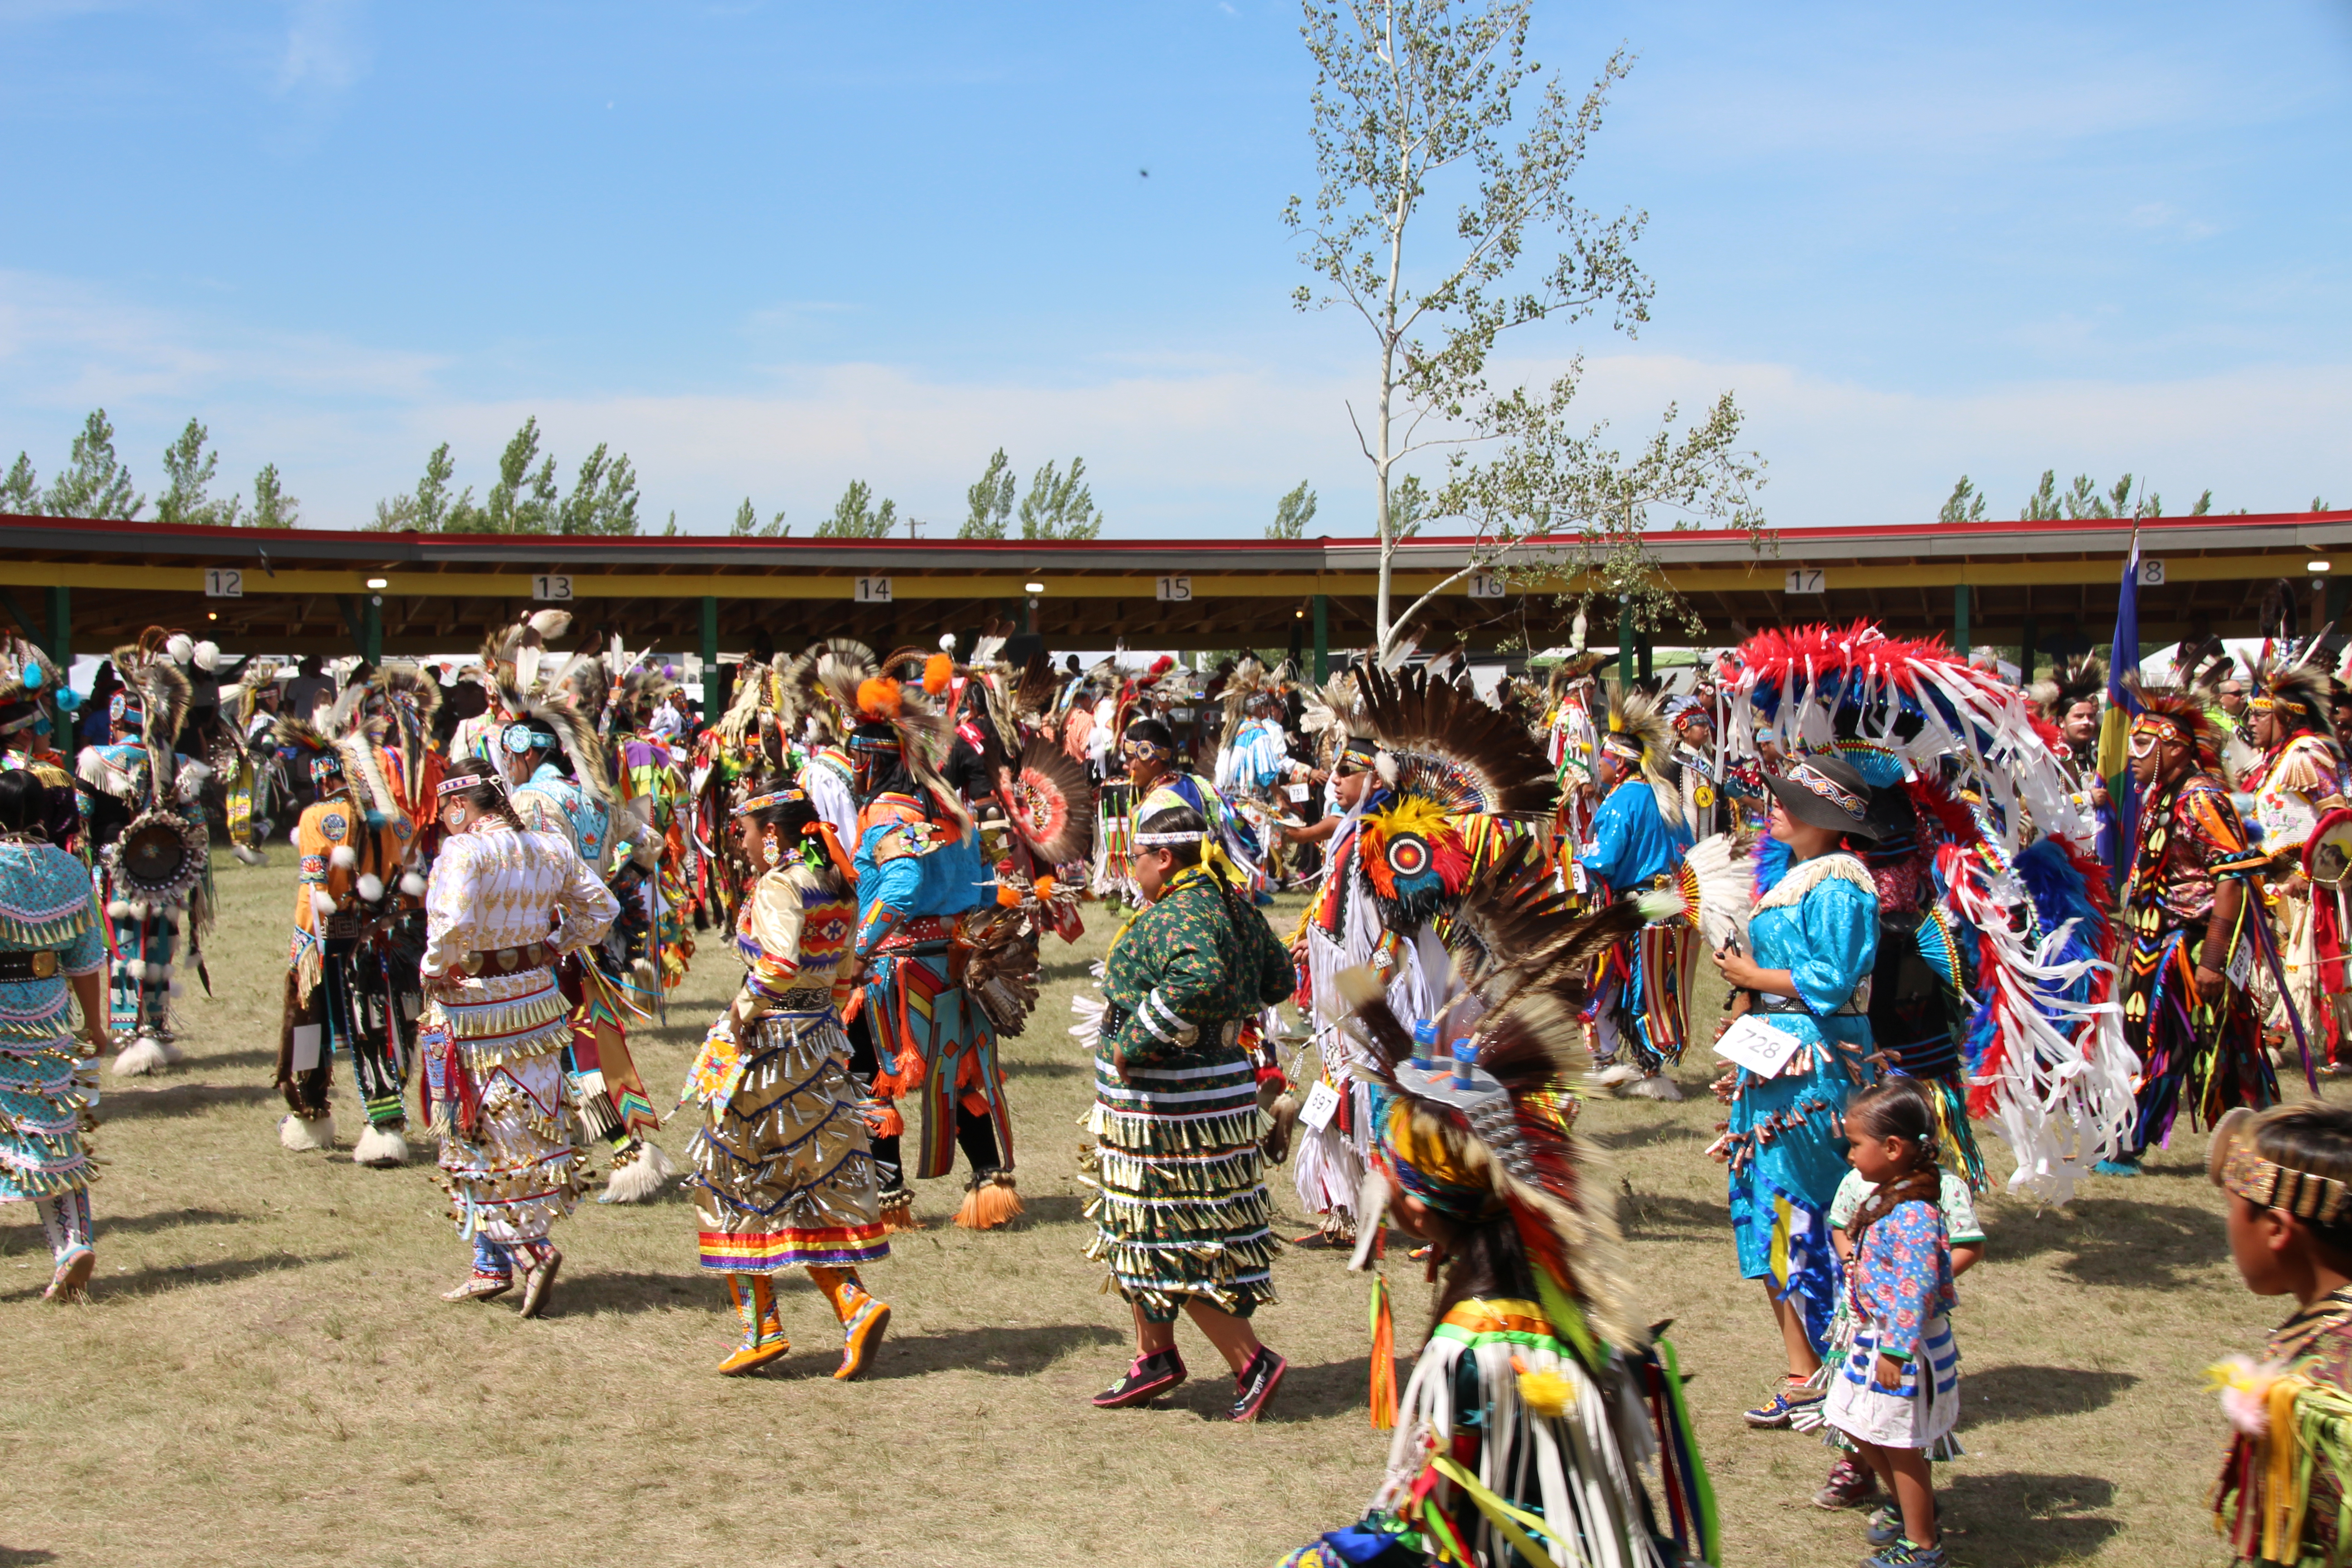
323, 54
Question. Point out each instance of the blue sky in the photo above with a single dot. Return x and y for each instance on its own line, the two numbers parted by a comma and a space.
768, 248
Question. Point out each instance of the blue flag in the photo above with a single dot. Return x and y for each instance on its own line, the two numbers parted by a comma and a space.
2116, 824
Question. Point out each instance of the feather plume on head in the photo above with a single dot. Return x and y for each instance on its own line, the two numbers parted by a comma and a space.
1641, 741
398, 702
2297, 697
1499, 1148
2181, 713
2080, 679
921, 734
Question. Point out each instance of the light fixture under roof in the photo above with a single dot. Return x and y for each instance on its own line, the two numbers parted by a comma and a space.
1033, 587
2315, 565
379, 583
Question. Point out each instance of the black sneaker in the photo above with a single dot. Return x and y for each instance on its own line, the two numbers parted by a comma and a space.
1253, 1388
1148, 1377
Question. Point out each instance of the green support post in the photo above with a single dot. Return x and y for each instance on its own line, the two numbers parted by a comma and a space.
2025, 653
711, 695
1961, 619
371, 630
1322, 638
61, 626
1643, 650
1624, 643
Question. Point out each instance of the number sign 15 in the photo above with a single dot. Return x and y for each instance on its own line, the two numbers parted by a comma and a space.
1173, 589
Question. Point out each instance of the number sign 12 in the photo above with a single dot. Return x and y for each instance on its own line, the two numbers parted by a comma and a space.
223, 582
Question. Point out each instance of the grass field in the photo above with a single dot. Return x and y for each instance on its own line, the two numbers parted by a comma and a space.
265, 1375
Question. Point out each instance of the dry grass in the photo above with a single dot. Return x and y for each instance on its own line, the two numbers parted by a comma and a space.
267, 1375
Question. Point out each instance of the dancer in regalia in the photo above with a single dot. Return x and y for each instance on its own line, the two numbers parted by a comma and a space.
1182, 1217
141, 802
1640, 1018
783, 1176
1542, 1394
1434, 783
920, 874
561, 786
351, 978
2299, 779
2192, 905
1812, 942
52, 952
503, 907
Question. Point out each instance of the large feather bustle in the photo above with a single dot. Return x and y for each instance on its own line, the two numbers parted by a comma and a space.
756, 686
404, 698
1450, 745
1039, 690
1053, 804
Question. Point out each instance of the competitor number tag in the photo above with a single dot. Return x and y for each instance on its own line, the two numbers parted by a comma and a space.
1298, 791
308, 1038
2241, 965
1322, 1104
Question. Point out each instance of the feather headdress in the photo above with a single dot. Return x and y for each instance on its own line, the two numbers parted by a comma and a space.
917, 729
2184, 712
1440, 742
511, 654
1053, 804
2080, 679
1638, 733
399, 701
2297, 696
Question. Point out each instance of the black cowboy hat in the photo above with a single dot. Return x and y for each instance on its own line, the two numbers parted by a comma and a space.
1820, 790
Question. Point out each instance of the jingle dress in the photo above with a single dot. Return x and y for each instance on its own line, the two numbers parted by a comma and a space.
1786, 1143
1180, 1209
500, 907
49, 920
782, 1170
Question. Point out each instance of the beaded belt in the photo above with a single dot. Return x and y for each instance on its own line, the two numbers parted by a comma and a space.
508, 960
912, 932
41, 964
1856, 1006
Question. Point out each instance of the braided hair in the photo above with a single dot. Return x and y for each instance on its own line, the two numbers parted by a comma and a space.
1896, 1107
487, 793
801, 831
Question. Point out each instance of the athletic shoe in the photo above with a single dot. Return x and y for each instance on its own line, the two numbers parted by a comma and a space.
1786, 1400
1886, 1526
1148, 1377
481, 1287
860, 1335
1255, 1386
1851, 1484
540, 1282
2126, 1166
1901, 1553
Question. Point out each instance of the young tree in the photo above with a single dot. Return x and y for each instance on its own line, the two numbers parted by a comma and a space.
1966, 504
2042, 506
188, 470
94, 484
20, 492
1414, 93
1060, 506
990, 501
1292, 514
524, 498
855, 518
272, 507
604, 499
747, 523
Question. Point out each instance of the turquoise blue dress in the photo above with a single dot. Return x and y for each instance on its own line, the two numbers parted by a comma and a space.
1786, 1140
47, 1088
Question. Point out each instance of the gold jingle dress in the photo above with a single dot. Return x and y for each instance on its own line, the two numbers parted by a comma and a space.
783, 1173
500, 905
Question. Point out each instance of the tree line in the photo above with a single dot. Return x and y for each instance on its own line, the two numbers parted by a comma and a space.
96, 482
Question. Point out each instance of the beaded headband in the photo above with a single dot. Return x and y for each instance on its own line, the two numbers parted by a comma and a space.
2170, 729
470, 780
1816, 782
773, 797
523, 739
2269, 700
1164, 840
1618, 743
2236, 1166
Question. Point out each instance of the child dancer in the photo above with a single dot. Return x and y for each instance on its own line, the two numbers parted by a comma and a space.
1898, 1390
1851, 1483
2288, 1172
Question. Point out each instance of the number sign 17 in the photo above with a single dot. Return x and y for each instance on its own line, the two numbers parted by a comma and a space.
1808, 580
